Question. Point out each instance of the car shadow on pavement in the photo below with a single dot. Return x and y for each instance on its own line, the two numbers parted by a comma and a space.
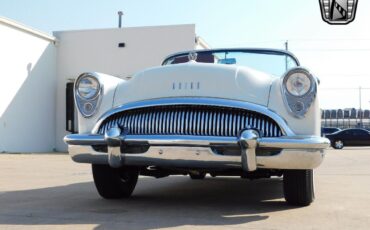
156, 203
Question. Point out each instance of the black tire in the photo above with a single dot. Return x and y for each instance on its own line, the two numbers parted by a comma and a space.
298, 187
338, 144
199, 176
113, 183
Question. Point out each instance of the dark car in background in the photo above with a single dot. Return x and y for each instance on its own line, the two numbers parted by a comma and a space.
328, 130
349, 137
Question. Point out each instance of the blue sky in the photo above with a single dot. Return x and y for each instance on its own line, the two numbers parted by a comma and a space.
222, 23
339, 55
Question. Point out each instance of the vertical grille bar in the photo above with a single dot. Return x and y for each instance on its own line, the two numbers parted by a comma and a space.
206, 121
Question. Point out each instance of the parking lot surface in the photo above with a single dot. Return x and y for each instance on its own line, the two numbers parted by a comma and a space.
44, 191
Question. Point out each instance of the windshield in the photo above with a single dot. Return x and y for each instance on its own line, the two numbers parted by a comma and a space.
270, 61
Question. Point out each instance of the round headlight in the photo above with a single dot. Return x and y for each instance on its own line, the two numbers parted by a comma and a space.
88, 87
298, 84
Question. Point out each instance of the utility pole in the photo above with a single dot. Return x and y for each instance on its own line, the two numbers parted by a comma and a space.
120, 13
286, 57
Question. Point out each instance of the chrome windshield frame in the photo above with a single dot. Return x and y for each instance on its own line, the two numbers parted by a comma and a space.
245, 50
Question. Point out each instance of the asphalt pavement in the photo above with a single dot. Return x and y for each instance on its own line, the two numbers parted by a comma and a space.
49, 191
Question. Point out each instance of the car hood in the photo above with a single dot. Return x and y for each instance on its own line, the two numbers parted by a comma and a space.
196, 80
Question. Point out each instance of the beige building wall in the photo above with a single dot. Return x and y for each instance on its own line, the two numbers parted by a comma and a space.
27, 89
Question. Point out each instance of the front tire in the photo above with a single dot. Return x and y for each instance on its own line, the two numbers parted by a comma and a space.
338, 144
114, 183
298, 187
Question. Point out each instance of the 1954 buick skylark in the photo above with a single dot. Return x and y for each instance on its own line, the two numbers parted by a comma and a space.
252, 113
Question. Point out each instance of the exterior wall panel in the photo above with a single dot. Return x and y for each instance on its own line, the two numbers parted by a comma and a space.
27, 91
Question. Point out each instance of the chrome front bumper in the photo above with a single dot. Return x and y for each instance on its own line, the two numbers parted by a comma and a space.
297, 152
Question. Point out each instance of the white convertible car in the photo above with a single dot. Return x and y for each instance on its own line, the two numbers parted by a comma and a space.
252, 113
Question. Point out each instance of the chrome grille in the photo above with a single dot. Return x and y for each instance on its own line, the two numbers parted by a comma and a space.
200, 120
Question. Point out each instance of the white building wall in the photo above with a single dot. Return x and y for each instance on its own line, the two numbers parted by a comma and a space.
97, 50
27, 89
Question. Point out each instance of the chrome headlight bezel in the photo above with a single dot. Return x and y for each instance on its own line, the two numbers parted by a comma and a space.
298, 77
298, 105
94, 80
88, 106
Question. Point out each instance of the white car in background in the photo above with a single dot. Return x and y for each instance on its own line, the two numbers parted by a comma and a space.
252, 113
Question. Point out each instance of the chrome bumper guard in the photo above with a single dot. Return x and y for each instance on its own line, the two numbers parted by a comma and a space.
297, 152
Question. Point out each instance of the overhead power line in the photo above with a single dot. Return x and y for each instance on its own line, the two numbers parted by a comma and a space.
311, 40
343, 88
331, 50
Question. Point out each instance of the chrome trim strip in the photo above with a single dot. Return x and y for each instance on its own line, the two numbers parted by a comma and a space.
200, 157
180, 140
198, 101
298, 142
292, 142
84, 139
